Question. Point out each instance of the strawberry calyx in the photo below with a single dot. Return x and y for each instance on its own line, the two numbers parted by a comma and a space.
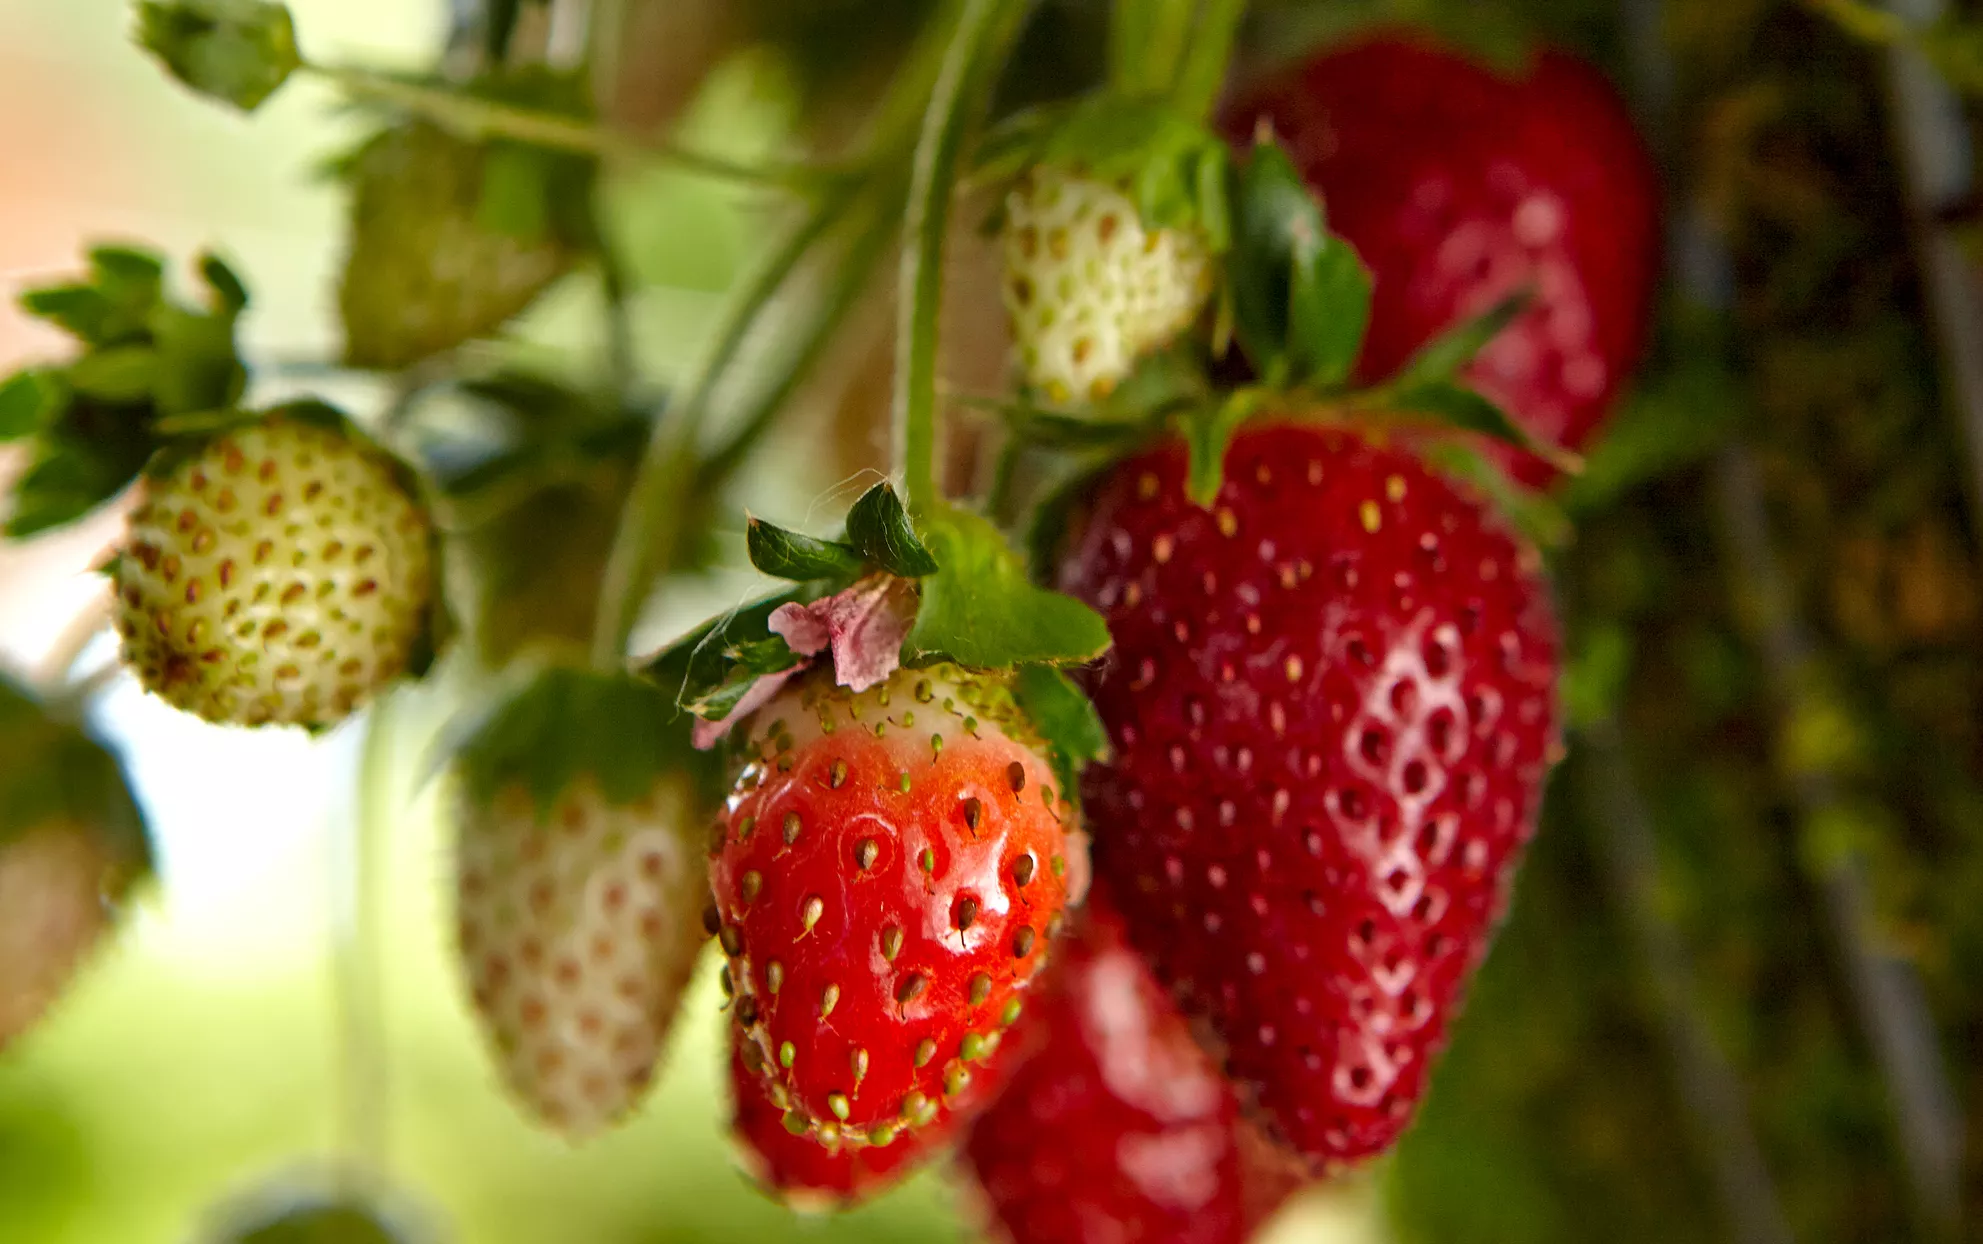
545, 727
145, 357
886, 595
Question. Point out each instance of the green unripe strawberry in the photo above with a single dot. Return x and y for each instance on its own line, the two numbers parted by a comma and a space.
1090, 289
429, 267
280, 573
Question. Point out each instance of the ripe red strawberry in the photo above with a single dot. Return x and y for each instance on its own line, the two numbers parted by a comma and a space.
1116, 1126
1332, 698
796, 1168
1457, 186
889, 872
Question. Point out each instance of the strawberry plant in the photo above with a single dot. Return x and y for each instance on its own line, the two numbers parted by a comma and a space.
1115, 806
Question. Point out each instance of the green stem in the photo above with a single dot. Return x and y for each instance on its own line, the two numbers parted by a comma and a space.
357, 906
475, 117
984, 33
652, 521
1203, 74
845, 289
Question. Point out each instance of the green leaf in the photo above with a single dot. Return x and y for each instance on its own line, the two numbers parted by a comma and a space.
1535, 514
68, 479
980, 610
1468, 410
879, 529
1301, 296
28, 400
1065, 718
235, 51
790, 555
1442, 358
118, 374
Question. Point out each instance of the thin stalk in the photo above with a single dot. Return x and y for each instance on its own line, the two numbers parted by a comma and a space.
651, 523
984, 33
357, 953
475, 117
846, 286
1203, 74
1167, 34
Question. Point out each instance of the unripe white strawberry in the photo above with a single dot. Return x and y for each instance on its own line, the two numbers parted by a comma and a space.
279, 574
580, 893
1090, 290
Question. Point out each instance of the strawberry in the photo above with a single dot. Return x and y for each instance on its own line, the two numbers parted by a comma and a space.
1457, 187
888, 874
280, 572
427, 269
1332, 699
72, 844
579, 892
1089, 288
1116, 1125
797, 1169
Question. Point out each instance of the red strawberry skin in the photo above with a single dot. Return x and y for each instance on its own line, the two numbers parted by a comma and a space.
1457, 186
801, 1171
1117, 1126
890, 870
1332, 699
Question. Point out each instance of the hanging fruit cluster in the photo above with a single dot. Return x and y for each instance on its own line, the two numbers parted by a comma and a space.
1161, 799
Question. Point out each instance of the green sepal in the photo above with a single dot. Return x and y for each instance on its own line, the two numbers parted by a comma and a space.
548, 726
791, 555
55, 772
235, 51
1207, 433
1065, 718
879, 529
980, 610
1300, 294
146, 357
1535, 514
1443, 357
1449, 404
746, 663
698, 665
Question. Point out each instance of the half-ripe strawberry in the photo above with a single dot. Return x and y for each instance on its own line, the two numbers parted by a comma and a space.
580, 892
280, 573
1090, 288
888, 874
1332, 699
1116, 1126
1458, 186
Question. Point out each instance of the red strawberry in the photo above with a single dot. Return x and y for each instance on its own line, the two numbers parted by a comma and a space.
888, 874
1116, 1126
1332, 698
1457, 186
